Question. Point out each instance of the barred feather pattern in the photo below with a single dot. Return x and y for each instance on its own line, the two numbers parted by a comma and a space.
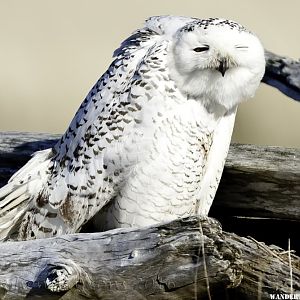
140, 149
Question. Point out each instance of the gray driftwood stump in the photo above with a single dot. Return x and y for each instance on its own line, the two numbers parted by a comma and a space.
184, 259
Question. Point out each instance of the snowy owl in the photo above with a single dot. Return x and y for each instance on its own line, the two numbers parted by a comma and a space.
149, 142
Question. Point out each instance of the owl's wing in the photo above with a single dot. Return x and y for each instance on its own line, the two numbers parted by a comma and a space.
60, 189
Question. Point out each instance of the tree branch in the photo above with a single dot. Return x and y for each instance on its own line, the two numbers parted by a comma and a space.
158, 262
283, 73
257, 181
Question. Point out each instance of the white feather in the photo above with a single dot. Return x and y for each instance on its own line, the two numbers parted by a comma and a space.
150, 139
23, 186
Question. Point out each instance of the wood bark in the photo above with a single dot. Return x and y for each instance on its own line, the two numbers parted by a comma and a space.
257, 181
283, 73
260, 181
164, 261
168, 261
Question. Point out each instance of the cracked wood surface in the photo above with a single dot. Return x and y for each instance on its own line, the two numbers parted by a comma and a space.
158, 262
257, 180
283, 73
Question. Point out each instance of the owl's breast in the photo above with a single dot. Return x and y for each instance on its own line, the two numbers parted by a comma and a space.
167, 167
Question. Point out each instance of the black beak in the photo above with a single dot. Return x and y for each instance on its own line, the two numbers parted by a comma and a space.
223, 67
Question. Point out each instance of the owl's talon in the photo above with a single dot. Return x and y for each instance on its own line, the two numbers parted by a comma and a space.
60, 280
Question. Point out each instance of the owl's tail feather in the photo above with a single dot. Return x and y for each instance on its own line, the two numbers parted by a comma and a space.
24, 186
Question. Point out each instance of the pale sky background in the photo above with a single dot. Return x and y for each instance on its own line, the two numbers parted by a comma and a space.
52, 52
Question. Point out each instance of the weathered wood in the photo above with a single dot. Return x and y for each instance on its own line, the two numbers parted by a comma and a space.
160, 262
17, 148
257, 181
249, 181
260, 181
283, 73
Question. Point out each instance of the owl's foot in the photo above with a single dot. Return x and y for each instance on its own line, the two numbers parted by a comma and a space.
61, 279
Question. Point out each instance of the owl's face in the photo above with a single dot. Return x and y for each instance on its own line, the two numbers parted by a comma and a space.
217, 63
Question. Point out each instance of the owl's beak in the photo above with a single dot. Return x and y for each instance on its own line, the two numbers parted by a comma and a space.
223, 66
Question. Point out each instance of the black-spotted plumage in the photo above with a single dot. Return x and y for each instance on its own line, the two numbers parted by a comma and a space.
139, 150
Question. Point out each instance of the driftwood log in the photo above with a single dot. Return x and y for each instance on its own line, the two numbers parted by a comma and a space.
184, 259
165, 261
283, 73
260, 186
257, 181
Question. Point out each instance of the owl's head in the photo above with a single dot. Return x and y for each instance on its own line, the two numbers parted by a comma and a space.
217, 61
